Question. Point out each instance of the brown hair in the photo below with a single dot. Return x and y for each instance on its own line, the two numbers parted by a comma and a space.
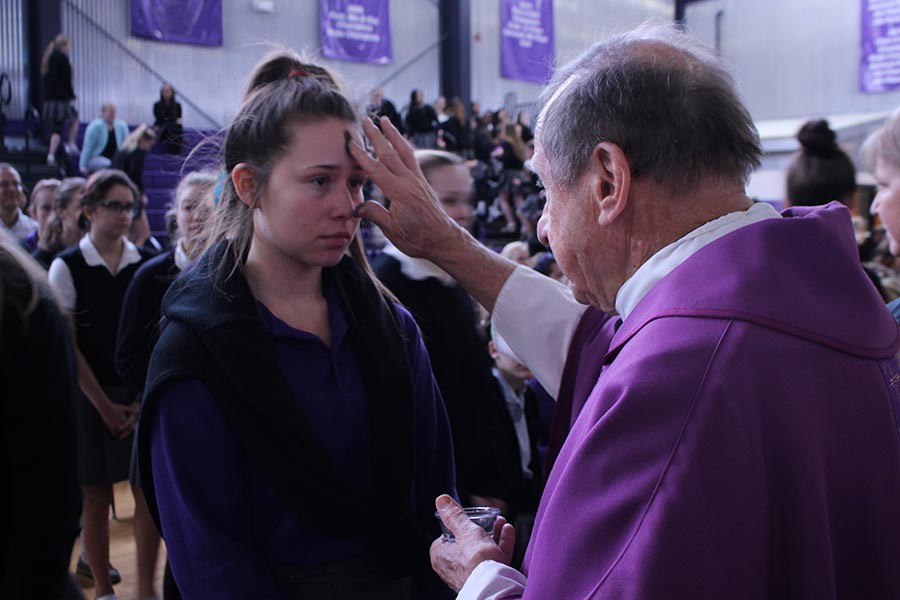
432, 159
820, 171
457, 108
98, 187
283, 90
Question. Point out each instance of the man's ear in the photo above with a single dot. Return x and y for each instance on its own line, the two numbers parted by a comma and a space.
244, 179
611, 181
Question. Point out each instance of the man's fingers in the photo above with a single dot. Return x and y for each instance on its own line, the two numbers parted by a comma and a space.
453, 515
402, 147
359, 154
507, 541
374, 212
498, 527
384, 150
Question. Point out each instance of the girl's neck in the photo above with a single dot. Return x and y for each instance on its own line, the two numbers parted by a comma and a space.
70, 237
110, 248
279, 281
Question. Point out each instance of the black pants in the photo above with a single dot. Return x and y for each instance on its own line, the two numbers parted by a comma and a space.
357, 579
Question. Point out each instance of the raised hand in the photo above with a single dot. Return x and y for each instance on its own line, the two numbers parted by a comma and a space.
414, 220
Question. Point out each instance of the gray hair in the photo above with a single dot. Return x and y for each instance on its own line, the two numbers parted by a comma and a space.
883, 143
662, 97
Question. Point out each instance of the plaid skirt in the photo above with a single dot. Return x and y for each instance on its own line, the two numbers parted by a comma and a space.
56, 113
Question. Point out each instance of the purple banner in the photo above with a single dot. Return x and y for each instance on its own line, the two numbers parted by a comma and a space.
178, 21
879, 57
527, 48
356, 30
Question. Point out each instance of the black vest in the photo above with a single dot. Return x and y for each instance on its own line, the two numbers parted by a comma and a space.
211, 332
97, 307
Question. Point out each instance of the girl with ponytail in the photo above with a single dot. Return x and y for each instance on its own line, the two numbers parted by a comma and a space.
292, 439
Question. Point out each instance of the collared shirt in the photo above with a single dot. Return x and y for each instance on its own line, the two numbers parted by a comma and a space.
61, 277
22, 228
537, 317
515, 405
664, 261
418, 269
552, 313
181, 258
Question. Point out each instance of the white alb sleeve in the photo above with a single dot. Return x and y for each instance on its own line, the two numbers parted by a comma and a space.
61, 279
492, 580
537, 316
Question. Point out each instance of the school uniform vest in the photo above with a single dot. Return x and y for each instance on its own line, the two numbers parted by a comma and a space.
97, 307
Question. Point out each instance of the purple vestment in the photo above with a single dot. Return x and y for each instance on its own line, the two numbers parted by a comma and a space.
741, 440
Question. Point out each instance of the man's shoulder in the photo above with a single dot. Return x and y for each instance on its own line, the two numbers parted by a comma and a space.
668, 355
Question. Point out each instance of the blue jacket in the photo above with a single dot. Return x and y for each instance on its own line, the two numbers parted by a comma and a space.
95, 139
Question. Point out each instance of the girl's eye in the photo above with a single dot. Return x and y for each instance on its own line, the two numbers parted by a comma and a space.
319, 181
356, 183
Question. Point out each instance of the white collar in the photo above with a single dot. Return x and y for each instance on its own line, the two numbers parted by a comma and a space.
418, 269
23, 222
663, 262
181, 258
130, 254
512, 396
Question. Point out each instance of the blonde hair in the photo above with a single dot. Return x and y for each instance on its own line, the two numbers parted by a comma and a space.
140, 133
205, 181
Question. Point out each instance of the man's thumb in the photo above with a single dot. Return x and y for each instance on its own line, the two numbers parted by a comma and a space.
371, 210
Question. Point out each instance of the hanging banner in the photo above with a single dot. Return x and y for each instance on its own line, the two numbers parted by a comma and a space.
178, 21
527, 48
356, 30
879, 61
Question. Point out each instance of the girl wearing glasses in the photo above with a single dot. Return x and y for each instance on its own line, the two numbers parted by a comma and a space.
91, 279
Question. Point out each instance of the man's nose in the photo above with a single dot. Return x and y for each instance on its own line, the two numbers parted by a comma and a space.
543, 230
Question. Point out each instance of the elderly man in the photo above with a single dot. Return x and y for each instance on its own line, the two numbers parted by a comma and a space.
741, 439
12, 219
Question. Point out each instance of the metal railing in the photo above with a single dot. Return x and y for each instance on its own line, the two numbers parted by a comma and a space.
144, 65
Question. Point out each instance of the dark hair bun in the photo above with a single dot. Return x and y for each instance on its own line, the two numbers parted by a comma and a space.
818, 139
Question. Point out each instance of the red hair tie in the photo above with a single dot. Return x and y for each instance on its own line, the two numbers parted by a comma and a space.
298, 73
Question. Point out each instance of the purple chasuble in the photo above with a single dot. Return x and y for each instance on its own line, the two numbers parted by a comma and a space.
585, 359
741, 441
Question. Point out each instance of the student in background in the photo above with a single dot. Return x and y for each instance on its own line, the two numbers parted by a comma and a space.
103, 137
40, 208
91, 279
62, 230
38, 433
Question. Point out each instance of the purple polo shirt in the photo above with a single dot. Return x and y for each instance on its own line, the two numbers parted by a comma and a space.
223, 523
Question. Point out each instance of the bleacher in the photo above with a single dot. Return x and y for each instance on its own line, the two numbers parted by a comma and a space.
162, 171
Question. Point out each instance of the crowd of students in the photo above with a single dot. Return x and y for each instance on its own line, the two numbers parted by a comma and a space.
300, 409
